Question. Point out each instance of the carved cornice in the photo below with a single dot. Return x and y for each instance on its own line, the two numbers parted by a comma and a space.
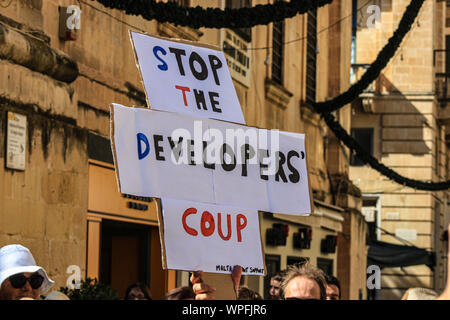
171, 31
277, 94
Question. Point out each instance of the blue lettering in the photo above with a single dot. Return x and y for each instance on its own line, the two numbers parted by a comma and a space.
163, 66
142, 138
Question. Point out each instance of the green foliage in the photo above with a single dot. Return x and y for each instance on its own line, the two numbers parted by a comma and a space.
90, 289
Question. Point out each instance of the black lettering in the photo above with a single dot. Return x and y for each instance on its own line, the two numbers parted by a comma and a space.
215, 65
280, 173
191, 153
203, 74
248, 152
176, 148
214, 103
263, 154
158, 149
206, 164
226, 149
178, 53
294, 177
200, 99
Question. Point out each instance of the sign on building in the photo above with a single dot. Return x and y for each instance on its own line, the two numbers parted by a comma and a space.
16, 141
185, 77
238, 57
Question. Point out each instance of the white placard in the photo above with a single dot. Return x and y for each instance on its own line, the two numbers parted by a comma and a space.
146, 144
185, 77
16, 141
211, 238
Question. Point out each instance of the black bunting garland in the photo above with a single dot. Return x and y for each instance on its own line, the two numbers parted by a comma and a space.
378, 65
354, 146
353, 93
197, 17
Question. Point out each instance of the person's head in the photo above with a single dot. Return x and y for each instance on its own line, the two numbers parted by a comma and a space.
333, 287
137, 291
275, 286
181, 293
303, 282
20, 277
245, 293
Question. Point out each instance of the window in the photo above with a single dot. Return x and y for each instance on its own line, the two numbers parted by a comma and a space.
245, 33
326, 265
184, 3
296, 260
364, 136
371, 215
277, 51
447, 54
311, 57
273, 266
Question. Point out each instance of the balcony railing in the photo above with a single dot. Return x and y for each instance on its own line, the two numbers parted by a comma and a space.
442, 88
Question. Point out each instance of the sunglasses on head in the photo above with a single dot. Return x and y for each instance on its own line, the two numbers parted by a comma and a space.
19, 280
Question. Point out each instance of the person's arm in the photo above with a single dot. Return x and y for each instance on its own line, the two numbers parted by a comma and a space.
203, 291
236, 278
446, 293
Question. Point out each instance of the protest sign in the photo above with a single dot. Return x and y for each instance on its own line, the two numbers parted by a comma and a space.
166, 155
184, 77
197, 236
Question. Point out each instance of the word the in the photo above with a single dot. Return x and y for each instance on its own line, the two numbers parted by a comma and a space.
74, 21
200, 69
208, 225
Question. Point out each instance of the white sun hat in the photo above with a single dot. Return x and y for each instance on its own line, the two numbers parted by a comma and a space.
16, 259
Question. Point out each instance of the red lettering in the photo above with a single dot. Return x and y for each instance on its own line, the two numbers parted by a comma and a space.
189, 230
184, 89
207, 218
208, 224
240, 226
228, 226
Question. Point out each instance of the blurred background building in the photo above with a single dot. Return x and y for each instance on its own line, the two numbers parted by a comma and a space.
65, 206
401, 119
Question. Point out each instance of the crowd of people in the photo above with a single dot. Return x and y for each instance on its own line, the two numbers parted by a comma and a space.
22, 279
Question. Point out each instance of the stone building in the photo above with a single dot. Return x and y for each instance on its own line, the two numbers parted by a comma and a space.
402, 120
65, 205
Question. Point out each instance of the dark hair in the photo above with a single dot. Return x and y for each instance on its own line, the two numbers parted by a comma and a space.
332, 280
278, 276
180, 293
245, 293
308, 271
140, 286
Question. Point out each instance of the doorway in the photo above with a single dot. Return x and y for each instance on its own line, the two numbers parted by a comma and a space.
124, 254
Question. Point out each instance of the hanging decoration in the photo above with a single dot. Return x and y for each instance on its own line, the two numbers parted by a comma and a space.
378, 65
367, 158
197, 17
